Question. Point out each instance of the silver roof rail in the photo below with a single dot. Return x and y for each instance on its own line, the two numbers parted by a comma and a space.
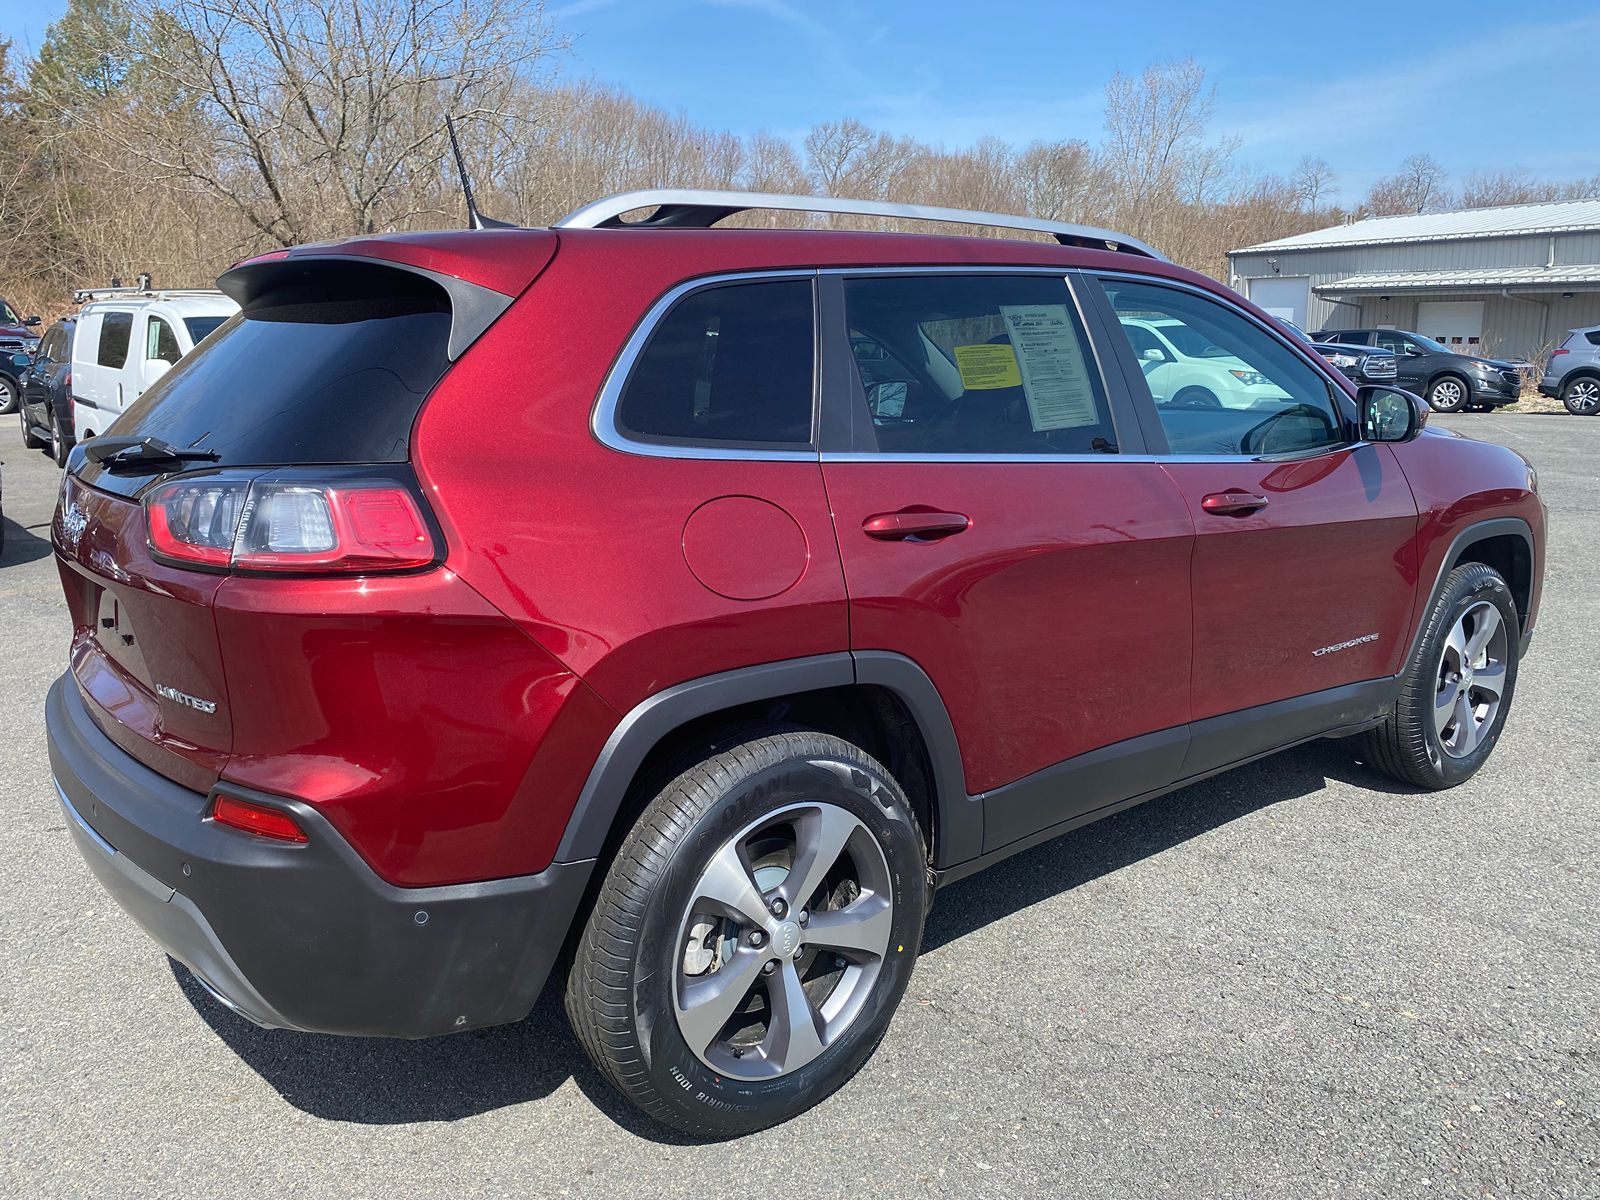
690, 208
86, 295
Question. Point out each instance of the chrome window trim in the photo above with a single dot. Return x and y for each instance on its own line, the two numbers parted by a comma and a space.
1319, 364
859, 457
603, 420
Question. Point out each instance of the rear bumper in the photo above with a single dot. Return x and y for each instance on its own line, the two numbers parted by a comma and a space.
302, 937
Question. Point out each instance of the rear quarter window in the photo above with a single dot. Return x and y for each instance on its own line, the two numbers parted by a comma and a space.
116, 330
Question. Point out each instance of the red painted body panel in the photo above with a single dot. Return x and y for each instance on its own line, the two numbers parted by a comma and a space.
1458, 481
1328, 560
137, 623
1056, 623
419, 720
446, 721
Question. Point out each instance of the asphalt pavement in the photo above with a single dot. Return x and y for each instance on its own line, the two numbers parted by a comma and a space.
1298, 979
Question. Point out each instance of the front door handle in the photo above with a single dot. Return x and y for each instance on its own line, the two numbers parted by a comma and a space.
1233, 504
914, 524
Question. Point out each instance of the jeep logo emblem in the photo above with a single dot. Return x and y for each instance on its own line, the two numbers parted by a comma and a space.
785, 938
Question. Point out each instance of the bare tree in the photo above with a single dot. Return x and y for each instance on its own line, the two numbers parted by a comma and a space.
1312, 182
322, 117
846, 158
1060, 181
1419, 186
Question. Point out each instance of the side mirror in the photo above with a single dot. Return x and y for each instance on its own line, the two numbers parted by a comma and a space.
22, 361
155, 368
1391, 415
887, 401
1412, 351
1154, 355
34, 320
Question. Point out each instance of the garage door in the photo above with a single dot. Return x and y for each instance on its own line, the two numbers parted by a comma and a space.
1456, 323
1284, 298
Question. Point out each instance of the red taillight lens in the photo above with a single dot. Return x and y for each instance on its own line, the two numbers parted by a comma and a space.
227, 522
291, 527
257, 819
1556, 353
195, 520
66, 380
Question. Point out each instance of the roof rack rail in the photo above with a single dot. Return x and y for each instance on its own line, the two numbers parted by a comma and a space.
85, 295
690, 208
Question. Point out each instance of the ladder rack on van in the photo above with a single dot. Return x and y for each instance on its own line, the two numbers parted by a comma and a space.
690, 208
85, 295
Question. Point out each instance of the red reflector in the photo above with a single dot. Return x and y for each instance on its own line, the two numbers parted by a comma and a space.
257, 819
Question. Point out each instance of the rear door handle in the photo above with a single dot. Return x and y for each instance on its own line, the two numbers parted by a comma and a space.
1233, 504
914, 524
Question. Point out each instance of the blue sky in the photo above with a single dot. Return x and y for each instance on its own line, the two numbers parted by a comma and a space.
1478, 85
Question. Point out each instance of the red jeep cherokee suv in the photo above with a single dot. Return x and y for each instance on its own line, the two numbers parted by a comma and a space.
686, 605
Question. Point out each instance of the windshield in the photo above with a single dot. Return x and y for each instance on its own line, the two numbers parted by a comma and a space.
199, 327
1427, 343
1190, 341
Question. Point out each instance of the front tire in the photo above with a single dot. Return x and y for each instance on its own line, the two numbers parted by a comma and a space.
1582, 396
10, 394
753, 935
1449, 393
1457, 688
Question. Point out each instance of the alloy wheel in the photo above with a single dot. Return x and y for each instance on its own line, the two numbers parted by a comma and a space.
782, 941
1447, 394
1584, 396
1471, 680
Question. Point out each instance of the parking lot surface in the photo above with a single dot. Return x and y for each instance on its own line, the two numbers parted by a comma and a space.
1297, 979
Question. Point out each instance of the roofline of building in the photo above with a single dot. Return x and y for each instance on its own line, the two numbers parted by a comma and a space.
1479, 236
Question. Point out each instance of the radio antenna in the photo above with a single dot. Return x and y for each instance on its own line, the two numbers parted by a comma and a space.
475, 219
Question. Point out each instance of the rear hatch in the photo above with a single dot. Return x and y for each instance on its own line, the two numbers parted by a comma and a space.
321, 373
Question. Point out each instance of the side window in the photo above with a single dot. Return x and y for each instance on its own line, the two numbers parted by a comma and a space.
731, 363
1228, 386
1593, 337
161, 342
115, 331
1388, 339
976, 364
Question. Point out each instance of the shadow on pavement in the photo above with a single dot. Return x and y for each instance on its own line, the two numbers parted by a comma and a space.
383, 1081
22, 545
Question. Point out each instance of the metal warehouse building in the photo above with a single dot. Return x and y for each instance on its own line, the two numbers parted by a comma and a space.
1502, 282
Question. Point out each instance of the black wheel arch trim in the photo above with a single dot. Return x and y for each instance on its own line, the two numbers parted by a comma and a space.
1479, 531
958, 818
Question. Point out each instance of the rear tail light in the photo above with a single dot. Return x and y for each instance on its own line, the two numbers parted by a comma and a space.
230, 522
66, 380
257, 819
1559, 351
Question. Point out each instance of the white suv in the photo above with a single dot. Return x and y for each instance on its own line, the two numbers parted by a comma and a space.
1184, 370
127, 339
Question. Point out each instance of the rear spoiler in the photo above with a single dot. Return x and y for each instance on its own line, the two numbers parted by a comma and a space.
309, 278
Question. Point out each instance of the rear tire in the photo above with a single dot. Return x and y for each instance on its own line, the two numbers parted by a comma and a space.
1449, 393
1457, 688
29, 441
10, 394
1582, 396
60, 443
698, 893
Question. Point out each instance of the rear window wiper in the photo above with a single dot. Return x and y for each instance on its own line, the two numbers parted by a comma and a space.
131, 453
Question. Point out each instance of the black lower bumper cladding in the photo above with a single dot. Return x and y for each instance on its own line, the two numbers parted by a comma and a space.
302, 937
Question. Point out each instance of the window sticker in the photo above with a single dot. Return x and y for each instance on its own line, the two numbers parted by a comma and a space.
1051, 360
984, 367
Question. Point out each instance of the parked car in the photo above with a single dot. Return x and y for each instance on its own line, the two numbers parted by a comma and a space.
17, 336
45, 379
127, 339
1449, 381
723, 654
1184, 368
1573, 375
1364, 364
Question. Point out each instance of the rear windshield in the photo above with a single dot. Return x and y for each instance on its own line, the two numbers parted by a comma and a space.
307, 376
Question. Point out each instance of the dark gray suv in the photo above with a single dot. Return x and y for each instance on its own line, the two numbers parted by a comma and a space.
1448, 381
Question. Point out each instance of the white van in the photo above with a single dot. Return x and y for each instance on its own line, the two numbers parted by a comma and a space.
127, 339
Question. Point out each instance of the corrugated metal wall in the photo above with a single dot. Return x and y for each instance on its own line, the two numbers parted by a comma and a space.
1512, 327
